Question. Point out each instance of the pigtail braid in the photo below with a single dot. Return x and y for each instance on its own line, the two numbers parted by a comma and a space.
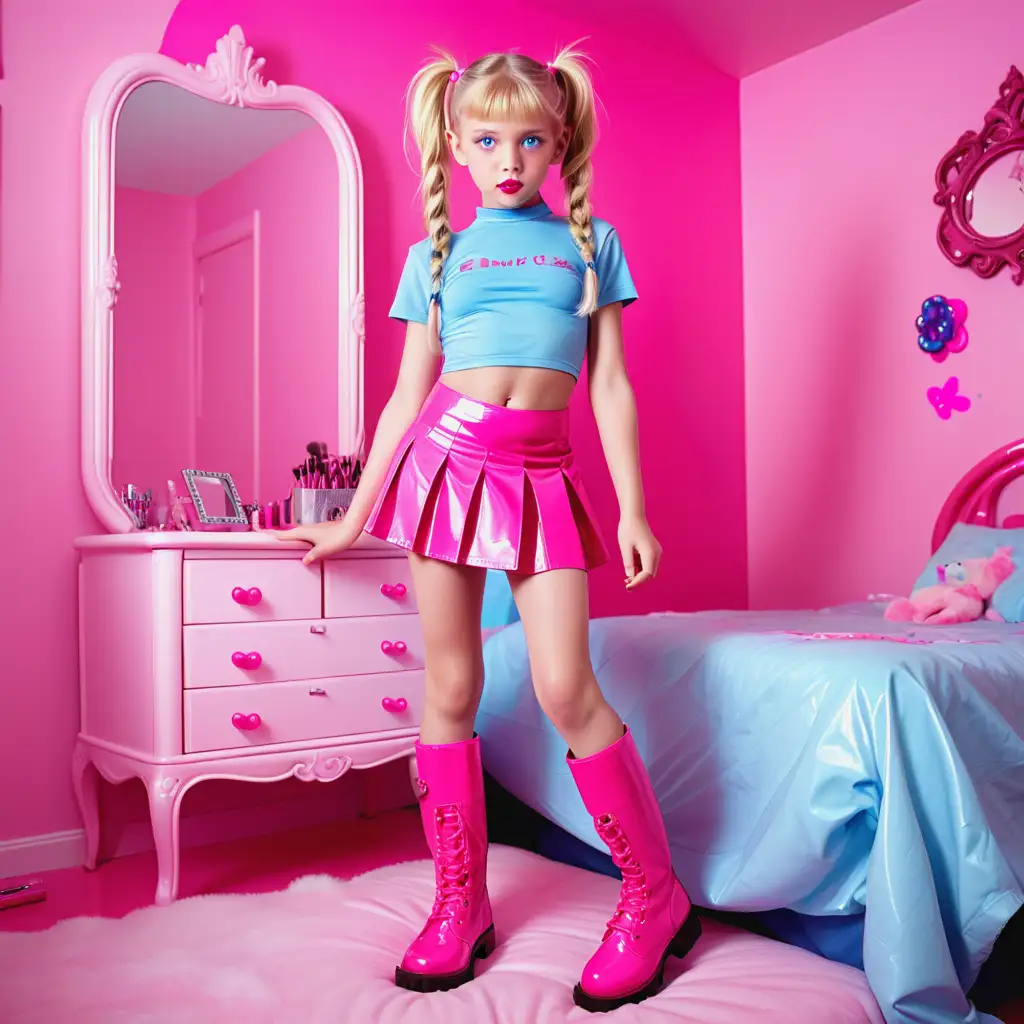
576, 185
577, 171
426, 116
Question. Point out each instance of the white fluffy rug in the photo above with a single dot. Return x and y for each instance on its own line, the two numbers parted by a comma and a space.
324, 952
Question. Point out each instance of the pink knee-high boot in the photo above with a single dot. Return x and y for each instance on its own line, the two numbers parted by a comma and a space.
460, 928
653, 919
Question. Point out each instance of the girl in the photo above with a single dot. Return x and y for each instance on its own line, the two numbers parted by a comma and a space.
474, 471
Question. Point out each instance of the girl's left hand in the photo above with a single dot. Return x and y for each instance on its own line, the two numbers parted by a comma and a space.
640, 549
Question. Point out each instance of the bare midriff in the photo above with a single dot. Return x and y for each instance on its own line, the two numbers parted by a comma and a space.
515, 387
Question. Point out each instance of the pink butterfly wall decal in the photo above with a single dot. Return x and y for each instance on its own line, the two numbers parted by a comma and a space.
946, 400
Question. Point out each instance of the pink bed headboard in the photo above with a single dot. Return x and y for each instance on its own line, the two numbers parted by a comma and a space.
976, 497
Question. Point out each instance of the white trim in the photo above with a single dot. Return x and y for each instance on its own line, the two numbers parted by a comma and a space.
34, 854
231, 76
29, 854
237, 231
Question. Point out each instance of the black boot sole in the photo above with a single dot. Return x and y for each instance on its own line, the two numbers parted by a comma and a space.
685, 939
482, 949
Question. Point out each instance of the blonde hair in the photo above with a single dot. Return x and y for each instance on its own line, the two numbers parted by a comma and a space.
505, 87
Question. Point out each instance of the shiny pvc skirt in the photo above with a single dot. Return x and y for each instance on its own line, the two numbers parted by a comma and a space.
484, 485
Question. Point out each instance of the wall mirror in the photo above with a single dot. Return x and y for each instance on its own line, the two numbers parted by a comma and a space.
222, 277
980, 187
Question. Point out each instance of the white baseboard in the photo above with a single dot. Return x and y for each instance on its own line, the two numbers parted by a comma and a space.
33, 854
29, 854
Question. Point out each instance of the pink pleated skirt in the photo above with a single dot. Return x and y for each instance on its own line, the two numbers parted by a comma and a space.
484, 485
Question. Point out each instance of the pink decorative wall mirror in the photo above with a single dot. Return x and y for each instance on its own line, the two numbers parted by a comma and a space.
222, 277
980, 186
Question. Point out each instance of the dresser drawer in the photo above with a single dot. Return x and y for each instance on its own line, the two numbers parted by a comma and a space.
367, 586
245, 716
269, 652
249, 590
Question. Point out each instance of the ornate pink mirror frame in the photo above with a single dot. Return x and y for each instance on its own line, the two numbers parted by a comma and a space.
231, 75
958, 173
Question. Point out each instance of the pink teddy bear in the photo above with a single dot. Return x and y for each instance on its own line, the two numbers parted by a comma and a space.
961, 594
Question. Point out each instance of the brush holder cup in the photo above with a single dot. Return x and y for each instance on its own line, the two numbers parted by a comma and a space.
320, 504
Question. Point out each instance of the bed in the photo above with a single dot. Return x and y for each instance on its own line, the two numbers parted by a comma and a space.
862, 776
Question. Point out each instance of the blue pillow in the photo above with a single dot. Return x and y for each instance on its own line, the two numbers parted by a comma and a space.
1008, 599
967, 540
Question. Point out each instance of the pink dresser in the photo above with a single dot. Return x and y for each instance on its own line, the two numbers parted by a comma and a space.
210, 655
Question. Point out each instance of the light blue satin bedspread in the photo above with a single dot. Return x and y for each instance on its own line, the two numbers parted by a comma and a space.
829, 776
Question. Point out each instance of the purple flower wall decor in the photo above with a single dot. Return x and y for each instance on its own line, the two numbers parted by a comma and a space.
940, 327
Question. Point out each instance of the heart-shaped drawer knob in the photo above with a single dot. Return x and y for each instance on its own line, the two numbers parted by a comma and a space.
248, 661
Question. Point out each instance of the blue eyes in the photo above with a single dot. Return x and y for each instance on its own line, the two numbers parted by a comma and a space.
530, 142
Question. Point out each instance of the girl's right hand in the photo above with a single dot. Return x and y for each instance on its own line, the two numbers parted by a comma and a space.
326, 538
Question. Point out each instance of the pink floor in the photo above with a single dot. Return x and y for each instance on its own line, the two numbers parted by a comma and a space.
264, 864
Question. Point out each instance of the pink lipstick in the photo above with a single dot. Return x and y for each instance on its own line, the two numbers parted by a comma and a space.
510, 186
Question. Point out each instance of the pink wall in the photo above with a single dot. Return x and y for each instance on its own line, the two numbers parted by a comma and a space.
295, 189
153, 236
53, 52
847, 463
684, 336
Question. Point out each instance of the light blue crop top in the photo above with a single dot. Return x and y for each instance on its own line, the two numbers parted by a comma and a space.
510, 288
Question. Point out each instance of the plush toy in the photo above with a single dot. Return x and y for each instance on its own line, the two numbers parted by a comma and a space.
961, 595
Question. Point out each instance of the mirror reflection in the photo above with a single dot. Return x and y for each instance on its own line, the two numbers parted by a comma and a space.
995, 205
225, 347
216, 497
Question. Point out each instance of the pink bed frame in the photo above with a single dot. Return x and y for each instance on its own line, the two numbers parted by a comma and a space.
976, 497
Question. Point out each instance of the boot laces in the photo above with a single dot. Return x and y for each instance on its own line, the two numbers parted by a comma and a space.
451, 861
634, 894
